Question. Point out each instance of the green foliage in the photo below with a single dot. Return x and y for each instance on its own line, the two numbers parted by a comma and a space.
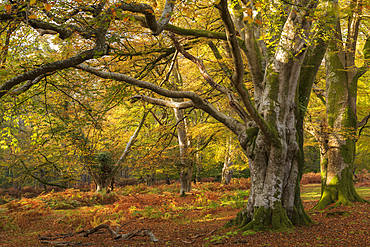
237, 200
217, 239
248, 232
148, 212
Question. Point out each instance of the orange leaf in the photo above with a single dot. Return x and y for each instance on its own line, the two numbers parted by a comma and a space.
47, 6
32, 17
258, 22
8, 7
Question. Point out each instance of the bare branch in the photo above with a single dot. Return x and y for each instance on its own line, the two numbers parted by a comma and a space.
202, 69
42, 26
29, 172
362, 124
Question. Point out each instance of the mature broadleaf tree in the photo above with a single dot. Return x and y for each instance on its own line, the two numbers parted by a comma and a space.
275, 40
338, 147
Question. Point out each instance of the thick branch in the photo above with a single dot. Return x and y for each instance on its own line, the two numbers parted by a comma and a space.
51, 67
156, 27
310, 66
251, 48
64, 32
26, 86
238, 75
166, 103
234, 125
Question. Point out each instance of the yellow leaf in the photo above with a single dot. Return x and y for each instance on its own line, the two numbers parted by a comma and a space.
32, 17
32, 2
47, 6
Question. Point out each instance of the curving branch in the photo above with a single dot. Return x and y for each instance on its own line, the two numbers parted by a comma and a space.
47, 28
362, 124
26, 86
52, 67
233, 124
203, 71
147, 11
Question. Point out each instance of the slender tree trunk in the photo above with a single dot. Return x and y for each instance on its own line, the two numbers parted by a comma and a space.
186, 164
102, 184
227, 172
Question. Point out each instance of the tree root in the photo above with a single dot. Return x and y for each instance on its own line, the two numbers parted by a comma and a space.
114, 233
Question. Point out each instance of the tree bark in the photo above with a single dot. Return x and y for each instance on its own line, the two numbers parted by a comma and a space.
186, 164
341, 95
274, 158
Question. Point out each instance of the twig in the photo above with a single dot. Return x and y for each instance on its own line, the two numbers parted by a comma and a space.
197, 236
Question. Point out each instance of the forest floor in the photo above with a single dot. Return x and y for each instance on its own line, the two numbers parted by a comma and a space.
194, 220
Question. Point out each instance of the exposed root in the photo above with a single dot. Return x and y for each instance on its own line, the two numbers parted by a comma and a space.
263, 219
114, 233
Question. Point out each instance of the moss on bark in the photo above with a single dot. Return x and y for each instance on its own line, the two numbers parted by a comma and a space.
274, 218
339, 190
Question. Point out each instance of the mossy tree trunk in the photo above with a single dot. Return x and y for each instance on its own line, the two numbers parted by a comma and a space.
275, 156
338, 151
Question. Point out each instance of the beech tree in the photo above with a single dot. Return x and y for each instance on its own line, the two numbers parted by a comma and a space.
338, 141
275, 40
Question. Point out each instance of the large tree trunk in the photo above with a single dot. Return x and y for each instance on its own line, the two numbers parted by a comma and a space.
272, 144
273, 200
341, 94
276, 168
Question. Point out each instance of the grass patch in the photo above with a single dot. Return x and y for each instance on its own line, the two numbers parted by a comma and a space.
363, 191
312, 192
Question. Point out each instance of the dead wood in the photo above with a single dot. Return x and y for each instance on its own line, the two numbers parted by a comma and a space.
193, 238
114, 233
65, 243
